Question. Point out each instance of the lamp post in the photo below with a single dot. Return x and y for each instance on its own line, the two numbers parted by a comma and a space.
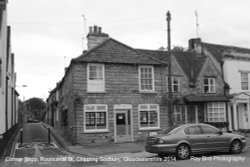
170, 95
24, 103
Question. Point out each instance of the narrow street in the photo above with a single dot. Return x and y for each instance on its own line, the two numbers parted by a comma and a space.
36, 151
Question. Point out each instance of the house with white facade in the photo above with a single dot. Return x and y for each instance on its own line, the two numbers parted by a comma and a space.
234, 65
8, 94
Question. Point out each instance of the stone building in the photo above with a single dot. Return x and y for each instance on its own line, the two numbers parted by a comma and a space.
199, 91
233, 63
115, 93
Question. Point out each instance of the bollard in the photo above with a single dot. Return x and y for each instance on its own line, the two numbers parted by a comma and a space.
21, 137
49, 135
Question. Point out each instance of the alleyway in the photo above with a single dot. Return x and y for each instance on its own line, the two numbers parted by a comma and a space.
36, 151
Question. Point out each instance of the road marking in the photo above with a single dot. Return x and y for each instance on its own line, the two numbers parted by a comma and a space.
37, 151
34, 145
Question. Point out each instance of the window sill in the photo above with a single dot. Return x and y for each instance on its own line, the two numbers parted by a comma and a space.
147, 92
147, 129
96, 92
96, 131
245, 90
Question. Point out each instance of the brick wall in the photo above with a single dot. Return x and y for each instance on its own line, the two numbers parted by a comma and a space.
210, 71
122, 87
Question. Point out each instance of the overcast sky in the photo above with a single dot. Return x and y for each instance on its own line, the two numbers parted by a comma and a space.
46, 34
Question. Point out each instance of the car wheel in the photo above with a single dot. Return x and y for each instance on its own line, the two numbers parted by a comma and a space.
235, 147
183, 151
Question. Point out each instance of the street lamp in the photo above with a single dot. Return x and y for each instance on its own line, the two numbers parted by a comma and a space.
22, 86
24, 103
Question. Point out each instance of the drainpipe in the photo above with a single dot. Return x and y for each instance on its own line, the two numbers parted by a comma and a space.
75, 128
224, 89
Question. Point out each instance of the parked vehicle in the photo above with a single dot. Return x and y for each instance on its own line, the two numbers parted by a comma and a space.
33, 121
190, 139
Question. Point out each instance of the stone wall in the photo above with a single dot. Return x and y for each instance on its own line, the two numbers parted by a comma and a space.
121, 87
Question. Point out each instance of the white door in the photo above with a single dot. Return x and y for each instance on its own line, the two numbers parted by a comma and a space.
123, 125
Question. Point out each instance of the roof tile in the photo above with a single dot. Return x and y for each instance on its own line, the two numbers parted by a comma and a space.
112, 51
219, 50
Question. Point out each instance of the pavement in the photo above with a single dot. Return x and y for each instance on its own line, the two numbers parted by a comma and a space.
35, 146
109, 148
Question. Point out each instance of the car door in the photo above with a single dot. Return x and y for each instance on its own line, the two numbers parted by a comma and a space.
195, 137
215, 140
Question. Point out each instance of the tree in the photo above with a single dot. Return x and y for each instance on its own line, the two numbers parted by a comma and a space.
178, 49
175, 48
37, 107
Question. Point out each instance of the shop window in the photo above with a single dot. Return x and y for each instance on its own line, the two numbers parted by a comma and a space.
149, 116
95, 118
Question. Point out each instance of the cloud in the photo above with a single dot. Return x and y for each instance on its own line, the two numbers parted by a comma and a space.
41, 60
46, 31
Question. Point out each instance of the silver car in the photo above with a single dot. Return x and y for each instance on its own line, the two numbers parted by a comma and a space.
194, 138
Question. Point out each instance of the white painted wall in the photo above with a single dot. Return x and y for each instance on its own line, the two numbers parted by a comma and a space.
232, 74
3, 52
10, 72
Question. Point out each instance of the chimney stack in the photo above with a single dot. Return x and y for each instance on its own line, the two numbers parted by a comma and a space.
96, 36
192, 42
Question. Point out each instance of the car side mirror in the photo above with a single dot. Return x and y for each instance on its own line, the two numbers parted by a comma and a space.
220, 132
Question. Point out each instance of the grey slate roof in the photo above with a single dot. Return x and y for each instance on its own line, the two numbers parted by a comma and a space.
219, 50
112, 51
190, 62
206, 98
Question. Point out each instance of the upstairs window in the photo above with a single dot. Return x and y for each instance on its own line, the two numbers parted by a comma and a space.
96, 78
146, 78
209, 85
244, 81
175, 84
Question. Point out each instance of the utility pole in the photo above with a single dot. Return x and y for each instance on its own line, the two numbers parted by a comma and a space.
197, 24
85, 32
169, 54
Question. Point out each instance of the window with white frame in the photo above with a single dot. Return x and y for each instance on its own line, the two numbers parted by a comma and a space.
149, 116
209, 85
244, 81
96, 78
95, 118
175, 84
179, 114
216, 112
146, 78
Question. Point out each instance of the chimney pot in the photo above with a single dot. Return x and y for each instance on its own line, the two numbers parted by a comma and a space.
99, 30
90, 30
95, 29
